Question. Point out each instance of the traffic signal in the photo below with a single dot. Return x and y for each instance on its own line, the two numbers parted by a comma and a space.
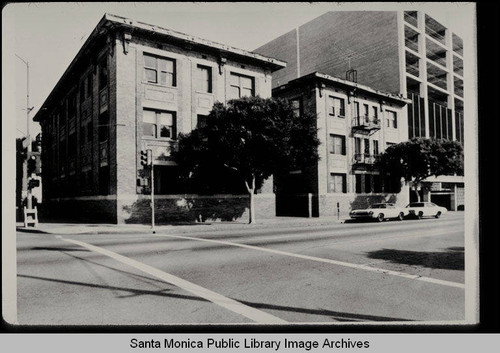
33, 183
146, 158
34, 163
31, 164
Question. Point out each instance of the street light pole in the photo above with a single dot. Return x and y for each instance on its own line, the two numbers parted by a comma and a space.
28, 110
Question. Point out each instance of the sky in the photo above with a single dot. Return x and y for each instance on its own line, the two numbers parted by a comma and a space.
48, 35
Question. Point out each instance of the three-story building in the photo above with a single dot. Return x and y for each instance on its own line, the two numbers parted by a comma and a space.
355, 123
132, 87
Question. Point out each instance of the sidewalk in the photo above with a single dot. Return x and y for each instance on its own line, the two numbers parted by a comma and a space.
82, 228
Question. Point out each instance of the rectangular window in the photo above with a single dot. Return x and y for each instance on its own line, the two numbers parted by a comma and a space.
166, 124
72, 106
204, 78
356, 109
296, 106
337, 144
337, 183
82, 91
149, 123
375, 114
368, 183
377, 183
366, 110
375, 148
389, 144
357, 145
89, 85
103, 74
159, 70
241, 86
90, 132
367, 147
337, 107
83, 134
158, 124
201, 121
358, 183
392, 119
72, 145
103, 127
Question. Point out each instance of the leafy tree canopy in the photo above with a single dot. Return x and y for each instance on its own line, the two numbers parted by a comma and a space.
252, 138
420, 158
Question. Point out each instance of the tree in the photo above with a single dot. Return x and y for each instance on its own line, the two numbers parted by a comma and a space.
248, 140
419, 158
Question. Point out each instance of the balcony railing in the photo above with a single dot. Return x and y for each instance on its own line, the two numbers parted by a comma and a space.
365, 124
411, 18
412, 44
363, 161
413, 69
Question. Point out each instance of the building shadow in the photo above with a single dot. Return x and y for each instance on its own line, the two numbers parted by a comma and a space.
451, 259
165, 292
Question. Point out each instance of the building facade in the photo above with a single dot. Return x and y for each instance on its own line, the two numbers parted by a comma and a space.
134, 87
355, 123
400, 52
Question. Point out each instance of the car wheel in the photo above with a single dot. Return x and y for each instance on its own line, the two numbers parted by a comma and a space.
380, 217
438, 214
420, 215
401, 216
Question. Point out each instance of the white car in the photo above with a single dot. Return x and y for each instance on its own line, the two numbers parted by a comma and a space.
425, 209
380, 212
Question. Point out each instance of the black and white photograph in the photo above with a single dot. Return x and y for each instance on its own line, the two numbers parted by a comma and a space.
240, 165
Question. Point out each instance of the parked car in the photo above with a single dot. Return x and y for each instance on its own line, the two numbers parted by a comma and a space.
380, 212
425, 209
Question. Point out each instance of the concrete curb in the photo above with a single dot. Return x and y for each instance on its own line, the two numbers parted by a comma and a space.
177, 229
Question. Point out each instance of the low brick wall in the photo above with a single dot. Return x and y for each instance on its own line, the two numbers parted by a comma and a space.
98, 209
194, 208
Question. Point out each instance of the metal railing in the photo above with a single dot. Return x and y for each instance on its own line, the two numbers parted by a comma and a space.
363, 158
413, 69
365, 121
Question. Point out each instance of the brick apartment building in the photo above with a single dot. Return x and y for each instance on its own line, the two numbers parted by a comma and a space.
400, 52
132, 87
355, 123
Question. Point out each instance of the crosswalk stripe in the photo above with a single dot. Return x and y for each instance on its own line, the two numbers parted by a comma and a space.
216, 298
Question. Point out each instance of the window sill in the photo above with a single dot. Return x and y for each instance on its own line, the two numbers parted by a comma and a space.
163, 139
157, 85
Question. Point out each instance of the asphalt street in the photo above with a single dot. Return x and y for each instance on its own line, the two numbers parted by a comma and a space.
407, 271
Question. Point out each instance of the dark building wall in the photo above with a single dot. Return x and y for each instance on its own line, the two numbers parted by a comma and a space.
283, 48
369, 37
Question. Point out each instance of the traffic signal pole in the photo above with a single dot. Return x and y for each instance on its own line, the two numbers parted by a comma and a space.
148, 162
152, 193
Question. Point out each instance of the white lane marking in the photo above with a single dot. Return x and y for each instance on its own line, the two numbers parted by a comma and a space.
216, 298
423, 233
320, 259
